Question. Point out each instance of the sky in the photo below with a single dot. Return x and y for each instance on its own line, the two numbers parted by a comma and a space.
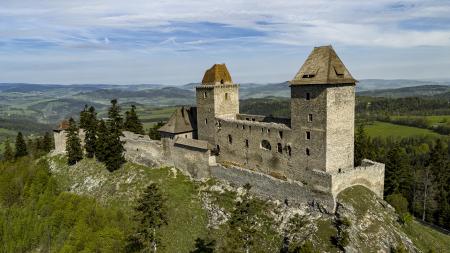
174, 41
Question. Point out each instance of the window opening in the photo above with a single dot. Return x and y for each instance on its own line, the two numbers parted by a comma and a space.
266, 145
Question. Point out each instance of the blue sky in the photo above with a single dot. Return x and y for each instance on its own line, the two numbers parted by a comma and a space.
174, 42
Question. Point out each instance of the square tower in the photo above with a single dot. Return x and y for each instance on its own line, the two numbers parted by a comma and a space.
217, 96
323, 112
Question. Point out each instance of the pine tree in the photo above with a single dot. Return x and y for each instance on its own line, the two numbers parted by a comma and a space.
242, 225
101, 145
21, 146
151, 215
153, 132
398, 177
47, 143
438, 165
8, 154
91, 132
84, 117
204, 245
361, 145
73, 144
132, 122
114, 158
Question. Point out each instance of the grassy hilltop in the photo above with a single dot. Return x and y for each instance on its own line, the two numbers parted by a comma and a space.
49, 206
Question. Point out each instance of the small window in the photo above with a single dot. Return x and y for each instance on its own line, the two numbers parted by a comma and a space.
307, 152
308, 96
310, 117
262, 130
237, 125
279, 148
226, 96
185, 136
230, 139
308, 135
246, 143
221, 81
289, 150
205, 95
266, 145
308, 76
206, 121
247, 119
268, 130
243, 127
218, 148
253, 119
280, 133
249, 128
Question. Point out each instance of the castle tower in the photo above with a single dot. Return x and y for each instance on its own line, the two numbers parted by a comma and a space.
217, 96
323, 112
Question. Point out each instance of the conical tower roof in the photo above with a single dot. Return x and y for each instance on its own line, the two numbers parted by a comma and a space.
182, 120
217, 74
323, 66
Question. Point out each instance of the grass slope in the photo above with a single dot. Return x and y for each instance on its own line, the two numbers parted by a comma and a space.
384, 129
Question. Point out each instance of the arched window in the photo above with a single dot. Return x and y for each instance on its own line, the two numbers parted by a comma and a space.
265, 144
307, 152
206, 121
221, 81
289, 150
230, 139
205, 95
279, 148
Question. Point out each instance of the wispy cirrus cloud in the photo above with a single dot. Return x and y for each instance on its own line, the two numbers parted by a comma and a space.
219, 29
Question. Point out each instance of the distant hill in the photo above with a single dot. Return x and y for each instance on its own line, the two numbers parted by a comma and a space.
422, 90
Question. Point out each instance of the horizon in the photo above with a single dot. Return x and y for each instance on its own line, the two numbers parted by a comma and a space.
172, 43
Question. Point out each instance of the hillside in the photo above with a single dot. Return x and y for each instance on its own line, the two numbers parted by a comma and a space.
200, 209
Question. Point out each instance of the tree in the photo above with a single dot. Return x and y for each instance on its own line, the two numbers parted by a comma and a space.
114, 115
398, 176
293, 233
90, 129
153, 132
361, 145
438, 165
132, 122
114, 151
204, 246
8, 154
151, 215
73, 144
400, 204
243, 225
47, 143
21, 146
101, 145
84, 117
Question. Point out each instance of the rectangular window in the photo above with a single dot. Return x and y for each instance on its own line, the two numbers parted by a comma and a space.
308, 96
310, 118
307, 152
308, 135
226, 96
280, 133
246, 143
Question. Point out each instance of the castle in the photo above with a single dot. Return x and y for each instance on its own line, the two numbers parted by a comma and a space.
305, 158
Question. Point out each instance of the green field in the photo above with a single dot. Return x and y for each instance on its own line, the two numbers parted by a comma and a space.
383, 129
432, 120
153, 115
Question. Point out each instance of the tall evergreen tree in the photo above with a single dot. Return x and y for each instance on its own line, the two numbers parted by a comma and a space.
242, 225
101, 143
153, 132
361, 145
21, 146
8, 154
438, 165
84, 117
132, 122
90, 132
151, 215
73, 144
398, 177
47, 143
114, 158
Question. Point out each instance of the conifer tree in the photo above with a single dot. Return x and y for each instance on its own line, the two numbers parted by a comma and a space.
21, 146
91, 132
84, 117
132, 122
101, 143
73, 144
153, 132
47, 143
438, 165
8, 154
398, 176
151, 215
114, 156
243, 225
361, 145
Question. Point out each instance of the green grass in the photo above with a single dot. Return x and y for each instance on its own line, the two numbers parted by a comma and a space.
383, 129
427, 238
433, 120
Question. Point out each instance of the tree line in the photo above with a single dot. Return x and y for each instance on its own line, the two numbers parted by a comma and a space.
34, 147
417, 174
